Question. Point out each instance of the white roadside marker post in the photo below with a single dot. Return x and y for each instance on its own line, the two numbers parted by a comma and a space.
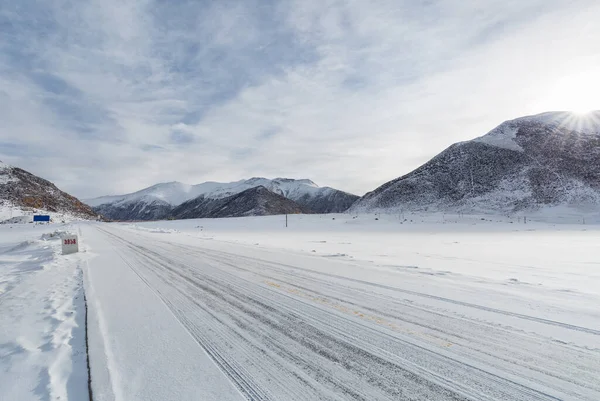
70, 244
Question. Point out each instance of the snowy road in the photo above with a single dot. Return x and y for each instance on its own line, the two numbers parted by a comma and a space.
307, 328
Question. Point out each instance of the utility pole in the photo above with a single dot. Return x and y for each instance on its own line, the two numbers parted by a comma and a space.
286, 224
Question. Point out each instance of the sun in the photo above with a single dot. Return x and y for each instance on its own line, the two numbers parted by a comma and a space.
575, 92
582, 112
581, 107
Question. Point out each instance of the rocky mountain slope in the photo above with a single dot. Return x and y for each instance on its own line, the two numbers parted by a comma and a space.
162, 200
144, 209
551, 159
22, 189
257, 201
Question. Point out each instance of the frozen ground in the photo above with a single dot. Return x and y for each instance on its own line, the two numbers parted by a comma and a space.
413, 307
42, 317
342, 308
10, 214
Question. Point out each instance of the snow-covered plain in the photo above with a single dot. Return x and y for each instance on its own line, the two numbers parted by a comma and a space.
342, 307
11, 215
42, 316
333, 307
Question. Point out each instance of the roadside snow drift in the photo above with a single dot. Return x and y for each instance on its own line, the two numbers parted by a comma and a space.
42, 317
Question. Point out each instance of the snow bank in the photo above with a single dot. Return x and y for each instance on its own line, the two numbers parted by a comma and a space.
42, 318
155, 230
18, 220
53, 236
10, 214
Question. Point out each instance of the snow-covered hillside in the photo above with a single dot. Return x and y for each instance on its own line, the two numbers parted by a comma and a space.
22, 193
6, 175
172, 193
256, 201
158, 200
530, 163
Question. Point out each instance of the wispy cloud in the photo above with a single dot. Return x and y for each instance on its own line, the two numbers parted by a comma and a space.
109, 96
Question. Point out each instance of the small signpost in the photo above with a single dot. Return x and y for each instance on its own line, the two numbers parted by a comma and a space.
70, 244
41, 219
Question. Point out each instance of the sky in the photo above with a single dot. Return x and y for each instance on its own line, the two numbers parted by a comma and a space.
110, 96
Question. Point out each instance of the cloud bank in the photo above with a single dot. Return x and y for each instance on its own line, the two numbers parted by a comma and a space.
110, 96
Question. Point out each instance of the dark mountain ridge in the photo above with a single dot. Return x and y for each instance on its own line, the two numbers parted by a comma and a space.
257, 201
552, 159
172, 200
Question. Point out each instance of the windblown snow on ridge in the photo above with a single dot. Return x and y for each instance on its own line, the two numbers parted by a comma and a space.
176, 193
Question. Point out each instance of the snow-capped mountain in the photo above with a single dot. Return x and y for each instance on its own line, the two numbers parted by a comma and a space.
549, 159
170, 193
256, 201
22, 190
158, 201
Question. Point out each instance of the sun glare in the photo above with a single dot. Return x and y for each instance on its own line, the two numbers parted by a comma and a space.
577, 93
582, 112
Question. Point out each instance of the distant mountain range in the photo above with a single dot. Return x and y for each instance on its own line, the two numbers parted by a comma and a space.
526, 164
213, 199
256, 201
546, 160
21, 189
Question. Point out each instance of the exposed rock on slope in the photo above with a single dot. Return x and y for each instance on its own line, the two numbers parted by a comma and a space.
308, 194
326, 200
549, 159
23, 189
257, 201
158, 201
152, 209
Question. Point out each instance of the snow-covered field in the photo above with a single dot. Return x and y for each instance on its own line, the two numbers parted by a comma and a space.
338, 307
342, 307
10, 214
500, 249
42, 316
